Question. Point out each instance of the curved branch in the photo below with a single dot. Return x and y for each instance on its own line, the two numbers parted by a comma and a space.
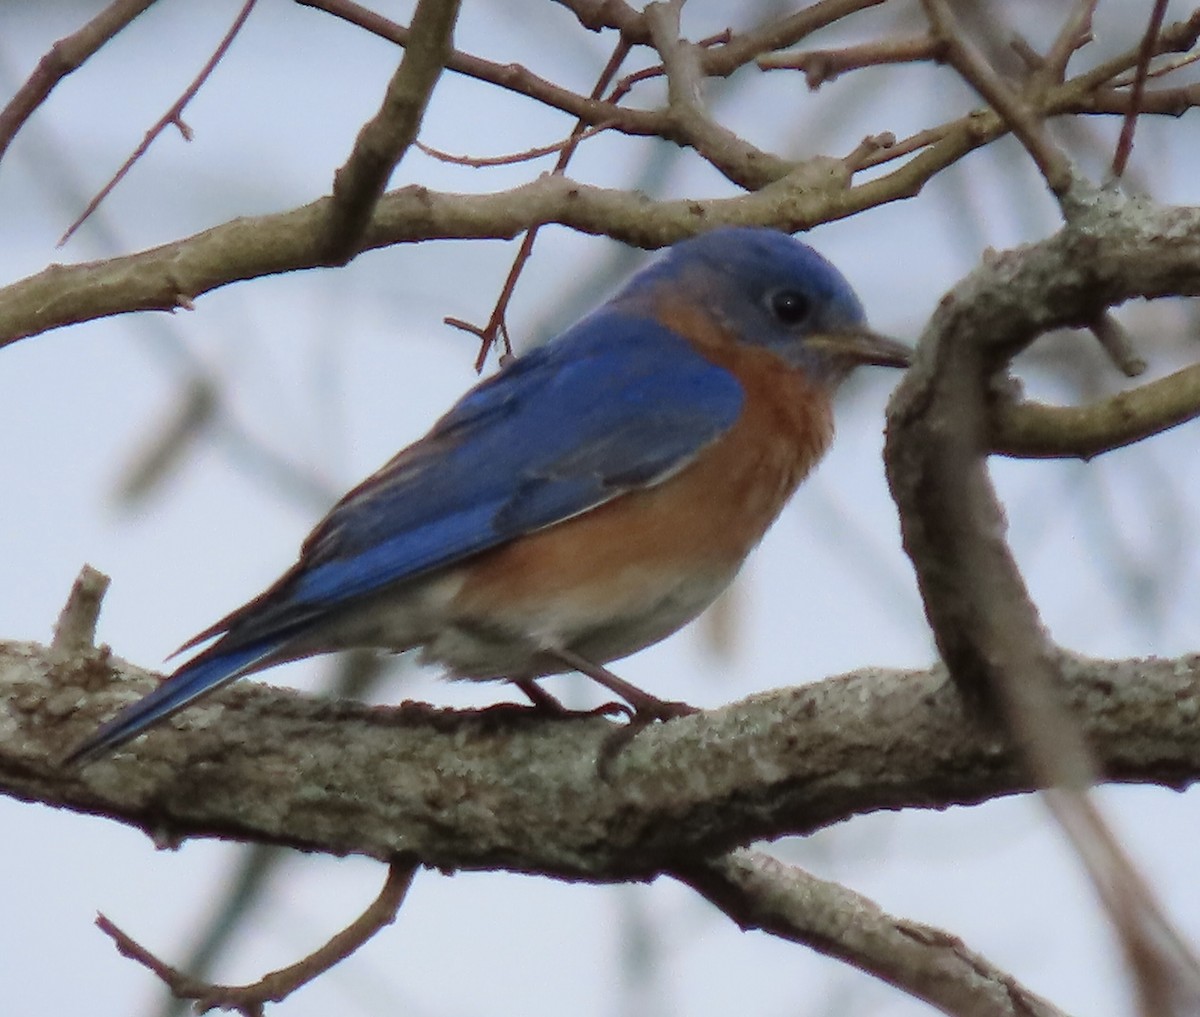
985, 623
1031, 430
274, 986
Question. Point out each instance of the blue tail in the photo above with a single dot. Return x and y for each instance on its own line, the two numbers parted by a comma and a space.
209, 671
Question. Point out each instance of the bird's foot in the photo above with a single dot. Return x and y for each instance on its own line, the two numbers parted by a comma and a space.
550, 706
646, 707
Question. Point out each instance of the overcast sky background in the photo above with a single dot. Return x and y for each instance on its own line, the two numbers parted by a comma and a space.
332, 371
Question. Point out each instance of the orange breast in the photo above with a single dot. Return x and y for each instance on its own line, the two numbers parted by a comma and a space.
696, 527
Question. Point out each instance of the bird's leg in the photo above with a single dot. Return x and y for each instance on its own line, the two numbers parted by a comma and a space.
543, 702
539, 697
646, 707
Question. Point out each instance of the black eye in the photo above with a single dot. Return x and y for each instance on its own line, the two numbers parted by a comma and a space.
790, 307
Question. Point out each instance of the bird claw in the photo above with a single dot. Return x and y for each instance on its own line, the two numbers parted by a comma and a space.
660, 709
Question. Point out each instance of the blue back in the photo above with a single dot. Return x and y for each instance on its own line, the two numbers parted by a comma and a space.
611, 405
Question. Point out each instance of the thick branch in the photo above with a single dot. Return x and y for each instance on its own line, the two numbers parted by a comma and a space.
169, 277
505, 789
984, 621
1114, 249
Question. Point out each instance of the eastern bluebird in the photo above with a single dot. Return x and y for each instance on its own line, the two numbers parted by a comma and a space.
590, 499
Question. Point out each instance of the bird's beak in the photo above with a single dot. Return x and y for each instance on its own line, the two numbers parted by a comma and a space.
862, 346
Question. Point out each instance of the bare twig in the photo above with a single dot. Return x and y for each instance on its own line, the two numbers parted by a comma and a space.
383, 140
249, 1000
687, 121
822, 65
75, 630
356, 675
497, 327
173, 116
65, 56
721, 61
1015, 110
176, 273
626, 84
1086, 93
1035, 431
1076, 32
1161, 70
482, 162
760, 892
1149, 39
1118, 344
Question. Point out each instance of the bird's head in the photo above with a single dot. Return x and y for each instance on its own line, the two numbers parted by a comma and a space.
769, 289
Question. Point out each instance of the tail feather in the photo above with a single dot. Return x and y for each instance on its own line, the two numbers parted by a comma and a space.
194, 679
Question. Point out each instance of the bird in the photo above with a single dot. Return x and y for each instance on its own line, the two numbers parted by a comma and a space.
587, 500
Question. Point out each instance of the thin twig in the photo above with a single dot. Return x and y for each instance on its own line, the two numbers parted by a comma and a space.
262, 245
1076, 32
1125, 141
625, 85
822, 65
783, 33
1163, 69
173, 116
1021, 119
721, 60
687, 122
64, 57
484, 162
249, 1000
496, 327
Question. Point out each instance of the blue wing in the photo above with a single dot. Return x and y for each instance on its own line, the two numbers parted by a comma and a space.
604, 409
614, 404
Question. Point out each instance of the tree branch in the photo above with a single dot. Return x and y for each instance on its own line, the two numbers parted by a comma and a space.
65, 56
274, 986
986, 626
504, 788
1030, 430
173, 116
171, 276
383, 140
760, 892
